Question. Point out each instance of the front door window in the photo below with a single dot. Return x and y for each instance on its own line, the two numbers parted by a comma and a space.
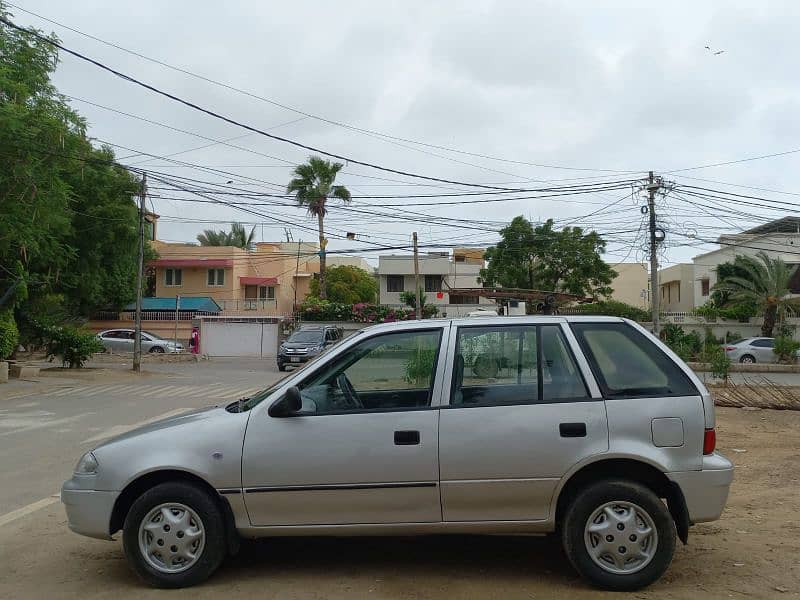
393, 371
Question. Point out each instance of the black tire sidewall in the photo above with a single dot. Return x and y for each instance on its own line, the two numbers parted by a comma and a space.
200, 501
594, 496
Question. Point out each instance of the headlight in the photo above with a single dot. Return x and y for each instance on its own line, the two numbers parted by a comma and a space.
87, 465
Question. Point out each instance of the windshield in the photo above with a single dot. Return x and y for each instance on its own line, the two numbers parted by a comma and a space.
303, 337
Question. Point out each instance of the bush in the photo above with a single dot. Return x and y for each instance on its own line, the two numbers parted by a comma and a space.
686, 345
314, 309
73, 345
786, 349
719, 362
614, 308
419, 368
9, 334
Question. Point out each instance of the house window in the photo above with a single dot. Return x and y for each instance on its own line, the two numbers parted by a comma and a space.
704, 286
266, 292
460, 258
216, 277
173, 277
433, 283
394, 283
456, 299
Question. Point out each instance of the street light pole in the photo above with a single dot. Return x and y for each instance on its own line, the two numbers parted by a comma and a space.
137, 340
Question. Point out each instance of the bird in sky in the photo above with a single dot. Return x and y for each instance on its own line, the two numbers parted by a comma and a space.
714, 52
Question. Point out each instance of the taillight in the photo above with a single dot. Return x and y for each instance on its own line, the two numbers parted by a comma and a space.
709, 441
730, 348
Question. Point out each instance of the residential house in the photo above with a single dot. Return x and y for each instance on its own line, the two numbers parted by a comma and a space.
268, 280
779, 238
676, 285
439, 273
631, 284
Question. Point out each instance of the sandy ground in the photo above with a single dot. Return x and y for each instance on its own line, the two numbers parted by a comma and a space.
753, 552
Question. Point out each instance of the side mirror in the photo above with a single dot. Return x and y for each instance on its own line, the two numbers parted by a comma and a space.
287, 406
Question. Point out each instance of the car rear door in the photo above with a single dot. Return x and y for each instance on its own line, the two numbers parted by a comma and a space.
338, 462
519, 411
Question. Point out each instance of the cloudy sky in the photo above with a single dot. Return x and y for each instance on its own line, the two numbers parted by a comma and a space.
565, 93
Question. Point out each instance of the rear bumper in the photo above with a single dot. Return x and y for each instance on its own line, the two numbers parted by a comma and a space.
88, 511
705, 491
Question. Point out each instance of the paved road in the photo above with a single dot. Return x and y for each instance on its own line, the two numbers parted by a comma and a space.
45, 426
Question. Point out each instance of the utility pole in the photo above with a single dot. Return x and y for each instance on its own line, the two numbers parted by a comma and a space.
296, 271
653, 186
177, 308
418, 291
137, 340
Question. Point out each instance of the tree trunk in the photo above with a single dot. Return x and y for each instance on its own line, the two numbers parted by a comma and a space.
769, 321
323, 293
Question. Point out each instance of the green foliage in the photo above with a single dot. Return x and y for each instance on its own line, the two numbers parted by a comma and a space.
313, 185
760, 281
717, 360
314, 309
614, 308
409, 298
73, 345
686, 345
735, 312
237, 237
542, 258
9, 334
69, 225
347, 285
419, 367
786, 349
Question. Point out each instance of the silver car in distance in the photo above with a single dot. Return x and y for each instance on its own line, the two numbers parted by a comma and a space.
585, 426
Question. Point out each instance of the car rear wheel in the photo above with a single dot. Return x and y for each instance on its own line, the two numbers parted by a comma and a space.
619, 535
174, 535
157, 349
747, 359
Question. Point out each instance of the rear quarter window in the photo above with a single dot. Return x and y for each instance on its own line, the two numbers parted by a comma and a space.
628, 365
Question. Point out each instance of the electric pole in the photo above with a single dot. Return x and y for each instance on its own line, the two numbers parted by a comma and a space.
137, 340
418, 291
653, 186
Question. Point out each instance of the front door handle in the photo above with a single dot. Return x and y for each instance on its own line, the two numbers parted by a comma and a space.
572, 429
406, 438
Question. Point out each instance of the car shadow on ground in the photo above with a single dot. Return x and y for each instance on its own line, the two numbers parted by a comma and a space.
506, 557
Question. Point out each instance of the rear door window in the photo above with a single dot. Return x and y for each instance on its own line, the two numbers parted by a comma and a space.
628, 365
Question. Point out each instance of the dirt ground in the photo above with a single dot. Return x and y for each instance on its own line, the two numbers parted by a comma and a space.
752, 552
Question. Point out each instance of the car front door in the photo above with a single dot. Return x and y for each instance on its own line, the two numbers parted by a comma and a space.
761, 348
364, 448
519, 417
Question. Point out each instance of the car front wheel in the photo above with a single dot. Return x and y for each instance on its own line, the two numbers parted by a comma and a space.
619, 535
157, 349
747, 359
174, 535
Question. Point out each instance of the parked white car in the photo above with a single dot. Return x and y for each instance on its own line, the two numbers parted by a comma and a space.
121, 340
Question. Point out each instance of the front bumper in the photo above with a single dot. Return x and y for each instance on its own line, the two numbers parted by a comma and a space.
706, 491
295, 359
88, 511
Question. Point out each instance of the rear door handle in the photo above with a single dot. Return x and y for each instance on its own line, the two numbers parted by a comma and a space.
406, 438
572, 429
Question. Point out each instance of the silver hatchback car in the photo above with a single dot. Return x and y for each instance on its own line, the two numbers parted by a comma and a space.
585, 426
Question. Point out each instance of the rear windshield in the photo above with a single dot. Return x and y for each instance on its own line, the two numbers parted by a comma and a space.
627, 364
306, 336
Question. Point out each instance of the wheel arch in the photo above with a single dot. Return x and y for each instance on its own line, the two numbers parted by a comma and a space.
628, 469
138, 486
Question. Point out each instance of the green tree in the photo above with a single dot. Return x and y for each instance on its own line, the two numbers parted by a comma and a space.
237, 237
543, 258
762, 281
409, 298
68, 226
348, 285
312, 186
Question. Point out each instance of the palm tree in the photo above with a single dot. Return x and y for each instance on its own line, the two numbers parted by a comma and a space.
237, 236
312, 185
763, 281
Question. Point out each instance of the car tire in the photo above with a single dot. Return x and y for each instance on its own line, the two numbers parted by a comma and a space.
747, 359
281, 367
641, 557
156, 350
203, 515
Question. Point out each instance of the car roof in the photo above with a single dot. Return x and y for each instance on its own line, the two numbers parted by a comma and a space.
487, 321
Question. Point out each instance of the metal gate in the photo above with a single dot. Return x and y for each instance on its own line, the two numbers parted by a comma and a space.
239, 336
